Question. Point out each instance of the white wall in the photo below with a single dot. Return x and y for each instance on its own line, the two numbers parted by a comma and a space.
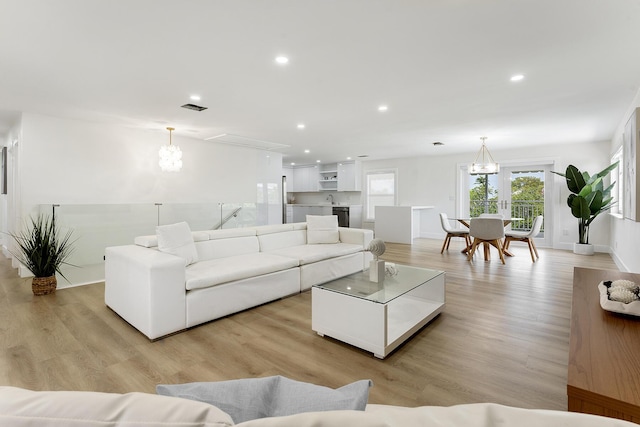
74, 162
625, 233
432, 181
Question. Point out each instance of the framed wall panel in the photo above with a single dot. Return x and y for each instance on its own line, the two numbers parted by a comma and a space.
631, 164
3, 173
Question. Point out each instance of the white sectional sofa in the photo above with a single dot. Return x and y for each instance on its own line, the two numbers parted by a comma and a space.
215, 273
26, 408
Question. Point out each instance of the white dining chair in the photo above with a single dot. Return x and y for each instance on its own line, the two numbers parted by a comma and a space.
488, 215
488, 231
452, 232
526, 236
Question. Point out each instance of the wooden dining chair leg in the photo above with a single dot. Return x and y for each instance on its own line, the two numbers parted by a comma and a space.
533, 249
472, 250
507, 242
498, 244
444, 244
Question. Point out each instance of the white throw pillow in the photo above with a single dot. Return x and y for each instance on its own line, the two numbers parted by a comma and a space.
322, 229
176, 239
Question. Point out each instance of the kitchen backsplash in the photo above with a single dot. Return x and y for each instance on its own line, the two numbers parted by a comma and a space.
342, 197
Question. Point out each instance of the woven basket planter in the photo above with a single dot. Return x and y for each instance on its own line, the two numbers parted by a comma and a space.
44, 285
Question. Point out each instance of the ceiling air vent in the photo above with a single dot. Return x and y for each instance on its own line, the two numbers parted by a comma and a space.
193, 107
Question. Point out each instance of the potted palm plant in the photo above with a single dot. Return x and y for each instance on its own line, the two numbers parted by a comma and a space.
587, 200
42, 251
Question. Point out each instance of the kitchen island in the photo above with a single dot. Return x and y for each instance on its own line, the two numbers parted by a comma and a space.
398, 224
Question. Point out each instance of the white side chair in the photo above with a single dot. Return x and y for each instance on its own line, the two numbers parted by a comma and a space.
486, 231
526, 236
452, 232
486, 215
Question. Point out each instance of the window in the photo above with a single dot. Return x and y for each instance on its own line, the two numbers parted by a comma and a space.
618, 191
380, 191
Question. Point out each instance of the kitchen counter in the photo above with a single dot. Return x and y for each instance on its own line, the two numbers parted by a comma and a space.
398, 224
299, 211
321, 204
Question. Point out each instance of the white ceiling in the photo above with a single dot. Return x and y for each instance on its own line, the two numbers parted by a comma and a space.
442, 67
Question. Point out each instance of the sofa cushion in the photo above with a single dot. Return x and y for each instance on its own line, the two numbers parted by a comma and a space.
252, 398
22, 408
322, 229
213, 272
228, 233
275, 228
223, 248
285, 239
151, 241
176, 239
469, 415
307, 254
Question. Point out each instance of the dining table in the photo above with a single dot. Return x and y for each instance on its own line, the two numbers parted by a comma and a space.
506, 221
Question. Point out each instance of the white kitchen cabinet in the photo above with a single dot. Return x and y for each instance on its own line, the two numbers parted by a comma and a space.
349, 176
289, 214
305, 178
328, 177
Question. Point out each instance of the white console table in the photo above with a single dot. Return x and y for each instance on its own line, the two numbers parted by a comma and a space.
398, 224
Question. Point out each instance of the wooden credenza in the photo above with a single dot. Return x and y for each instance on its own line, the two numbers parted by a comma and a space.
604, 351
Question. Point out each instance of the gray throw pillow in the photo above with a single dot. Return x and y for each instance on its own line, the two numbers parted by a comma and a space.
252, 398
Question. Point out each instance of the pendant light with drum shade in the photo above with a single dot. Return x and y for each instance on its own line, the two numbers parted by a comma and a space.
484, 163
170, 156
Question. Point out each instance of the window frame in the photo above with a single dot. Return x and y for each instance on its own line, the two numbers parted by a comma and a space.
618, 193
370, 216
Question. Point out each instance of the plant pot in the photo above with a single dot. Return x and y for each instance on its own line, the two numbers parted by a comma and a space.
583, 248
44, 285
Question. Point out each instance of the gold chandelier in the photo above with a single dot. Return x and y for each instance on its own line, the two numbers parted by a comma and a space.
170, 156
487, 165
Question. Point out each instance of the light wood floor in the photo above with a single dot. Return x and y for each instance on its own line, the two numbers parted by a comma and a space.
503, 338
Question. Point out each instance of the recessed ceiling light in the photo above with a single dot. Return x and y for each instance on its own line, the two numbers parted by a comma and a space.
317, 161
307, 151
348, 158
301, 126
293, 163
517, 78
383, 108
195, 97
282, 60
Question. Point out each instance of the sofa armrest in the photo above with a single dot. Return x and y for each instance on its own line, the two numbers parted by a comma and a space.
356, 236
146, 288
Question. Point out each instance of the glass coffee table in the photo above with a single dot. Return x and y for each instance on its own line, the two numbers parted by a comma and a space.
377, 317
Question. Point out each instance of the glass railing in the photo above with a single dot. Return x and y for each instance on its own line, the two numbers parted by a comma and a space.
96, 227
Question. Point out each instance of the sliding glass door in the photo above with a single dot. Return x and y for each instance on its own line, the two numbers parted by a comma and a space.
514, 192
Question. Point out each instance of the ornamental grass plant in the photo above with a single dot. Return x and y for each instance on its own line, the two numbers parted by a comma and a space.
41, 249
